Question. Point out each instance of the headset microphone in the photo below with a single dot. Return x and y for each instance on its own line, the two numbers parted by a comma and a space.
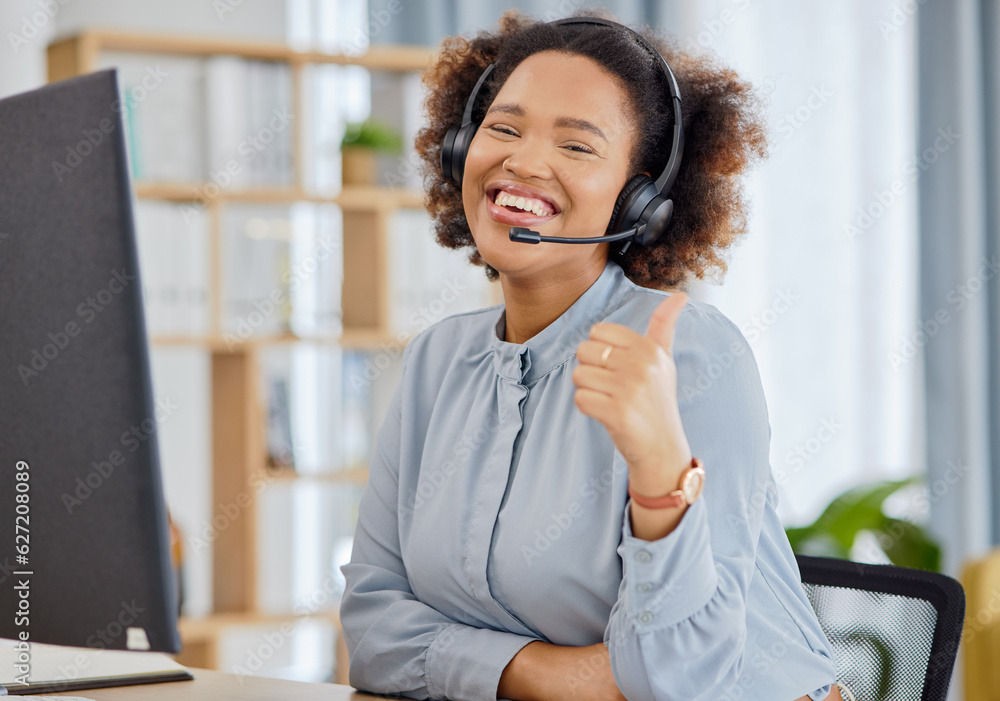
657, 222
523, 235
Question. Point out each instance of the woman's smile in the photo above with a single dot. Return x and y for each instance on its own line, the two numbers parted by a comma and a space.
511, 214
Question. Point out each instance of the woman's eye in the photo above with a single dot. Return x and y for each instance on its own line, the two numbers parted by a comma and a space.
507, 130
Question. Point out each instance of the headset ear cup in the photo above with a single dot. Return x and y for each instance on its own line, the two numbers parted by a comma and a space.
619, 219
448, 152
657, 216
455, 149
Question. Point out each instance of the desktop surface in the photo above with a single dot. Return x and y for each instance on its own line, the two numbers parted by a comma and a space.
209, 685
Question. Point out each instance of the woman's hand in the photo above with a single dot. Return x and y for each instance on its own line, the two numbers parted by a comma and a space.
588, 675
545, 672
634, 395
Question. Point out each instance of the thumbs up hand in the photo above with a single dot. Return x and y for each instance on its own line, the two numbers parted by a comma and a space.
628, 382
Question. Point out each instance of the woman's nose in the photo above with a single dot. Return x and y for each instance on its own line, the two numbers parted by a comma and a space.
528, 160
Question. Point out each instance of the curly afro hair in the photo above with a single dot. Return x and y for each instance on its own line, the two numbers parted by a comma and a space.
724, 129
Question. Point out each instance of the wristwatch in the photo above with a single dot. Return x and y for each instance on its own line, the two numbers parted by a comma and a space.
692, 482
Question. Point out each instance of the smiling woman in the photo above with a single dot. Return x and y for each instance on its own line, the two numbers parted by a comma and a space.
627, 546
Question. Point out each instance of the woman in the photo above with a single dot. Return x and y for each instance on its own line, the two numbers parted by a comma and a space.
501, 549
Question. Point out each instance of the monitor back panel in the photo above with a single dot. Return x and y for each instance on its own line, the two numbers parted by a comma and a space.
77, 415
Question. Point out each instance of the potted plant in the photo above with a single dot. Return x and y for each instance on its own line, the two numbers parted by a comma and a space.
361, 143
832, 534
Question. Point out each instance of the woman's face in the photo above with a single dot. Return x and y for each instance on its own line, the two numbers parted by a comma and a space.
561, 123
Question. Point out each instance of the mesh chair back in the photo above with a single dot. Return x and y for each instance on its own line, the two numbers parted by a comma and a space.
894, 630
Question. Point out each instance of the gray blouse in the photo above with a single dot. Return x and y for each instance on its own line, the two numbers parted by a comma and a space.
496, 513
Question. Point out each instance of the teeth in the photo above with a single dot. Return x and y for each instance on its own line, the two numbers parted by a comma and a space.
536, 207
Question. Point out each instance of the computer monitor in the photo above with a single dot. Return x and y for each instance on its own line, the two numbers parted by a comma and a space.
84, 543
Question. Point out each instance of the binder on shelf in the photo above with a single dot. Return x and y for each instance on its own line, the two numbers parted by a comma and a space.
193, 234
280, 446
256, 271
303, 397
227, 85
356, 420
249, 122
268, 145
150, 244
322, 129
421, 299
316, 270
163, 99
173, 257
284, 114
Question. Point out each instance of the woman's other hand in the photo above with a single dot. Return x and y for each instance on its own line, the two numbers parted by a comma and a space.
588, 675
545, 672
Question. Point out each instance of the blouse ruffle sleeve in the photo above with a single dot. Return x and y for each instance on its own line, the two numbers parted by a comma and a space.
678, 628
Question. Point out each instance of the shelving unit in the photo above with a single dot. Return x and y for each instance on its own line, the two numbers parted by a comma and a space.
238, 417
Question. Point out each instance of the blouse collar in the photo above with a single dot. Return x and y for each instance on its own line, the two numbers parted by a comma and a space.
557, 342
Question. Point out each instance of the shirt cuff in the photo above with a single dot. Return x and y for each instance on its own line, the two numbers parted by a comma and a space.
465, 662
668, 580
821, 693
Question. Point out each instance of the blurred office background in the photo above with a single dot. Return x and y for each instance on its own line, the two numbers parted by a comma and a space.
866, 285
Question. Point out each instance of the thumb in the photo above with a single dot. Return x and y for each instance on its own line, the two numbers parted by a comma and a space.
664, 320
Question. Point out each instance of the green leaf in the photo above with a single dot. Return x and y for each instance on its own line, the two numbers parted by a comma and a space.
858, 509
813, 541
908, 545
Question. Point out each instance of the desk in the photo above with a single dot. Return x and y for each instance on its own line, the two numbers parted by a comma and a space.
209, 685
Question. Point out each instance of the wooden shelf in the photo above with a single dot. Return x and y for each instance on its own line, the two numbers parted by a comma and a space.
372, 197
352, 339
223, 344
353, 475
208, 627
351, 197
69, 55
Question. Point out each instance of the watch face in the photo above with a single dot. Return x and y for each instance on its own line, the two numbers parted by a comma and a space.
693, 482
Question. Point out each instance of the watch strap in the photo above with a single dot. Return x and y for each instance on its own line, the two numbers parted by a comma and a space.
671, 500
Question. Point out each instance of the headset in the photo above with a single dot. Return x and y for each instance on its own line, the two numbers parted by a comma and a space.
642, 210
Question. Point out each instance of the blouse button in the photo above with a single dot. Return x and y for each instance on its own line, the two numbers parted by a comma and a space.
645, 617
643, 556
646, 586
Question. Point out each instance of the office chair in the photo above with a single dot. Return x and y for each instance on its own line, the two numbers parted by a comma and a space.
894, 630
